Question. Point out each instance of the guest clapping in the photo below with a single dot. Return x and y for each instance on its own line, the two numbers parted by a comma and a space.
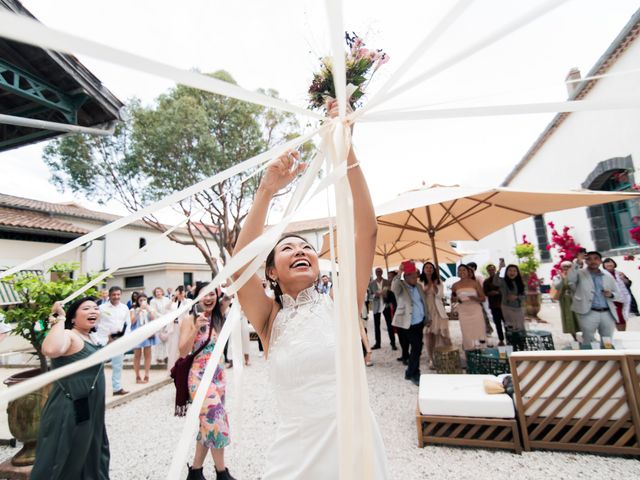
72, 441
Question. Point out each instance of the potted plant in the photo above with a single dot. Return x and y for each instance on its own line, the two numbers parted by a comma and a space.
30, 318
528, 265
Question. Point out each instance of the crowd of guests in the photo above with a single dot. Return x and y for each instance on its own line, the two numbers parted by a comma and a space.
594, 296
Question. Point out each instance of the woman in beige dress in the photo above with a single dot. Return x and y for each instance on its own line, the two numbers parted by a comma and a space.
437, 332
469, 296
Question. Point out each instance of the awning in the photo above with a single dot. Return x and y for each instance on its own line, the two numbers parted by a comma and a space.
8, 296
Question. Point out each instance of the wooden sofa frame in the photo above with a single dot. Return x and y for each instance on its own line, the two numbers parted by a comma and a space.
468, 431
604, 435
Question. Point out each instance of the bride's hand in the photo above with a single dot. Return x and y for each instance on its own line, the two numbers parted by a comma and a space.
281, 172
333, 111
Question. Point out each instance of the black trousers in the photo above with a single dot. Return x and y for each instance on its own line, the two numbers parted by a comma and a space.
387, 319
403, 336
415, 335
376, 328
498, 319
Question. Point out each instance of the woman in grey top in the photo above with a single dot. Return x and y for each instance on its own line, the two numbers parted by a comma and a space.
513, 296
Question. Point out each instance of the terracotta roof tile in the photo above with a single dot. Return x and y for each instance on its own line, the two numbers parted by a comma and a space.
15, 218
68, 209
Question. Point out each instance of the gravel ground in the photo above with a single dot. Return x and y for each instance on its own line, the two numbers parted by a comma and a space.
143, 433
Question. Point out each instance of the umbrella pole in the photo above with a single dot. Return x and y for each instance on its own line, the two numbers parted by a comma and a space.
432, 236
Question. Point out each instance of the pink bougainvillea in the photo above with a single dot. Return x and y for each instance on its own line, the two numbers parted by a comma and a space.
565, 244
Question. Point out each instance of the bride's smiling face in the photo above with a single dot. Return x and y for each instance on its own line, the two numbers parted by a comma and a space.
295, 264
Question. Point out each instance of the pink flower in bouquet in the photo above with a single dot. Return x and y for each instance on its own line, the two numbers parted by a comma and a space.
361, 63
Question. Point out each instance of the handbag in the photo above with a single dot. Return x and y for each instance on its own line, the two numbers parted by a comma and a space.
180, 375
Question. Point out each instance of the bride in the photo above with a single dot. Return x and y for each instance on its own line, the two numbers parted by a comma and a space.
297, 330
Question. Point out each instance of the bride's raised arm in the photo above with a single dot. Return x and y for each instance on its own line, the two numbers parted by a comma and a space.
257, 306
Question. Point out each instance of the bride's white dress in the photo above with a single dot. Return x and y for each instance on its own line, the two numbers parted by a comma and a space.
302, 370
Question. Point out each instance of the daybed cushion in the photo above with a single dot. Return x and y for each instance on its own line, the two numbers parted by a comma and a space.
461, 396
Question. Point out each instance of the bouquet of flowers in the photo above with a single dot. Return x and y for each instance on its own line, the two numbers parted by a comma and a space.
361, 63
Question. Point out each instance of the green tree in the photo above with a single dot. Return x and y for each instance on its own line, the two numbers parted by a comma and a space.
186, 136
38, 296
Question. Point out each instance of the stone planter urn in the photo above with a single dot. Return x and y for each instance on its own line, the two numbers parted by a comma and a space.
24, 417
532, 303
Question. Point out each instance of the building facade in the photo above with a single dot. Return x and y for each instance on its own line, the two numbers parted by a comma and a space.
588, 150
29, 228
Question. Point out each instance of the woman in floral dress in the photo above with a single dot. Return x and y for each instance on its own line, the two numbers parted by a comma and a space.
214, 425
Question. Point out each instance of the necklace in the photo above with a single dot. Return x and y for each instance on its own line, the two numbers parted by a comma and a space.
84, 336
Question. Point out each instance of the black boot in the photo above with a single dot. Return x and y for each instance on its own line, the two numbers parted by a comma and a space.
224, 475
195, 474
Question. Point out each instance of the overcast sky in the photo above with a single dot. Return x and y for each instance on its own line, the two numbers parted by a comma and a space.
276, 43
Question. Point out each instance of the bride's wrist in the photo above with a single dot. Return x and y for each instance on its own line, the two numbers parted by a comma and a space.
265, 191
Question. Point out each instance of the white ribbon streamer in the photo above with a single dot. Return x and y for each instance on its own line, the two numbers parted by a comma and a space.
492, 110
26, 30
155, 242
170, 200
59, 127
476, 47
432, 37
338, 69
354, 427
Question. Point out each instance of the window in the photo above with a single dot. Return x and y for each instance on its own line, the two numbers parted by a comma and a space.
543, 239
611, 222
134, 282
618, 214
187, 278
142, 242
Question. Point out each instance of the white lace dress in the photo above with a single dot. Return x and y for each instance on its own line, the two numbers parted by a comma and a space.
302, 370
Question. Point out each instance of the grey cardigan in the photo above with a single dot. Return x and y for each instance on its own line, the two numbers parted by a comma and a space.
505, 290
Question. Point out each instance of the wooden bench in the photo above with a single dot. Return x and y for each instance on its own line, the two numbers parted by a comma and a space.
455, 410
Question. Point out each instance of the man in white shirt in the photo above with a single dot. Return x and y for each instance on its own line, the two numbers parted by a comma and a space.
114, 323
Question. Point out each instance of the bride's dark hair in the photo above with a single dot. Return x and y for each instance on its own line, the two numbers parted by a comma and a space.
270, 262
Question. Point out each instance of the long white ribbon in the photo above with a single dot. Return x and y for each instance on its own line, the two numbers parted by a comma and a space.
336, 32
59, 127
30, 31
491, 110
485, 96
423, 47
156, 241
355, 441
169, 200
485, 42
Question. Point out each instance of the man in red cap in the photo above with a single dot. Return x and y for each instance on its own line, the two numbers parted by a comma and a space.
411, 316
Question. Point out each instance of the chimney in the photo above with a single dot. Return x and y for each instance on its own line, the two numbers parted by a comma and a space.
572, 86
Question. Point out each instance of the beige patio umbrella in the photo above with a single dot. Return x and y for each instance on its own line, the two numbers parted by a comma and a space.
444, 213
394, 253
